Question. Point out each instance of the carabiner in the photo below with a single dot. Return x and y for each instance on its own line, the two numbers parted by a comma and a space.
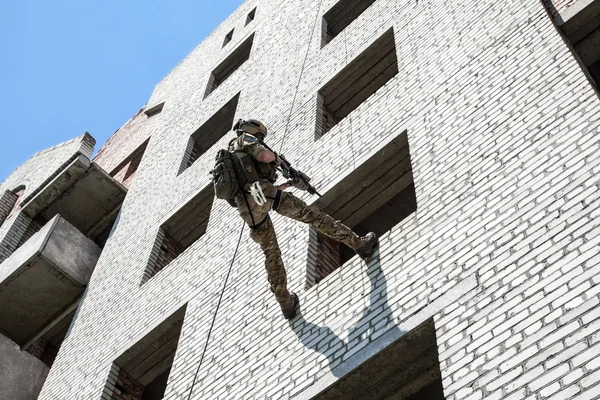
257, 194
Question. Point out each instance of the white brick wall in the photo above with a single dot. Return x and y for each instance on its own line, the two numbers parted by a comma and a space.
503, 129
34, 175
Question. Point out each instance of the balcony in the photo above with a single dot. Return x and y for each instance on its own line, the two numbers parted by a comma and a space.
43, 280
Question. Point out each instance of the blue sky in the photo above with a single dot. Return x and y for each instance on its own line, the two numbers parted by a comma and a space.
73, 66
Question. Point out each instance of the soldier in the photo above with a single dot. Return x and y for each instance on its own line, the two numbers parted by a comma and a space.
251, 134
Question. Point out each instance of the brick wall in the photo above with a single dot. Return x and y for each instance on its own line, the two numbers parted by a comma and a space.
324, 261
126, 141
127, 169
120, 386
502, 252
7, 204
166, 250
34, 175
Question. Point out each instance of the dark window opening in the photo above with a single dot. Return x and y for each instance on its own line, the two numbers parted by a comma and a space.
407, 369
103, 230
180, 231
48, 342
251, 16
358, 81
582, 31
341, 15
374, 198
34, 227
228, 38
228, 66
125, 171
10, 202
142, 372
210, 132
154, 110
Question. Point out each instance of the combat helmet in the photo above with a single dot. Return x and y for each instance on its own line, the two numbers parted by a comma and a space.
251, 126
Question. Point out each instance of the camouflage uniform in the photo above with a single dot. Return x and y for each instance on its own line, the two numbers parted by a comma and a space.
285, 203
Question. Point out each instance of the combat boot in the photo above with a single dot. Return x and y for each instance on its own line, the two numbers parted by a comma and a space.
370, 243
290, 312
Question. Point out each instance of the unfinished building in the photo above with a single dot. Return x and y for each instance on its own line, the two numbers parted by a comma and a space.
464, 133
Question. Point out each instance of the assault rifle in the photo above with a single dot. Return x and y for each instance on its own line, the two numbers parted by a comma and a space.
292, 174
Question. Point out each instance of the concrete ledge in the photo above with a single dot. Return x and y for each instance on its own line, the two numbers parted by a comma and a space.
44, 277
65, 178
21, 374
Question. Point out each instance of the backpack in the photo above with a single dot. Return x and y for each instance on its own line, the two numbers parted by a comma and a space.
225, 180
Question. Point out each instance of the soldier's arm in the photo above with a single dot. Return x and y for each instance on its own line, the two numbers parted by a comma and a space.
258, 151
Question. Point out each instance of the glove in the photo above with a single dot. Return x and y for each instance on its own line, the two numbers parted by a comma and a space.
298, 184
279, 160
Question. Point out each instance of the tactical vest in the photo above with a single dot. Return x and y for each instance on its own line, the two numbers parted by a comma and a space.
249, 170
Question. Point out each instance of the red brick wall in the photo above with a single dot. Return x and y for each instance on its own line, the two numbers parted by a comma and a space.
19, 194
127, 388
127, 170
125, 142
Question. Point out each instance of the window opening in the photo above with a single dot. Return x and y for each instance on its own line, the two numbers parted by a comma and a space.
582, 31
46, 346
33, 227
180, 231
125, 172
228, 66
377, 196
251, 16
409, 368
358, 81
10, 202
157, 109
228, 38
341, 15
210, 132
142, 371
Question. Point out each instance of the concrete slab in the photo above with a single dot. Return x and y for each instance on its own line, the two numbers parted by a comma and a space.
43, 278
70, 174
21, 374
88, 200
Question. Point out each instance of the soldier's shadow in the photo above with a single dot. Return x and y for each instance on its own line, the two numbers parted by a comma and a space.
376, 319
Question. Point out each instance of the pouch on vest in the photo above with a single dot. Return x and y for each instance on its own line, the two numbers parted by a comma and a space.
248, 167
225, 180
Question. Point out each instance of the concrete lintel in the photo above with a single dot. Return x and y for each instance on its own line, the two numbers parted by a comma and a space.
451, 296
70, 174
51, 325
572, 11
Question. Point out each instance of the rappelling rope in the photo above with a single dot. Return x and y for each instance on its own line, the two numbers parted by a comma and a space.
242, 230
212, 324
287, 124
353, 157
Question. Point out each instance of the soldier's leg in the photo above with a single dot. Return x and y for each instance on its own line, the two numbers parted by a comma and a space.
264, 235
295, 208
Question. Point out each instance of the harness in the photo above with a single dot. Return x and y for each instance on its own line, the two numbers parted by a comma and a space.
249, 171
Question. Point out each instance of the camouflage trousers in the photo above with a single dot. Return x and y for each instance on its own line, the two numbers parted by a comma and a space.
263, 233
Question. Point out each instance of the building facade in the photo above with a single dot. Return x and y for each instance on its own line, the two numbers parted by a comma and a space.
464, 133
